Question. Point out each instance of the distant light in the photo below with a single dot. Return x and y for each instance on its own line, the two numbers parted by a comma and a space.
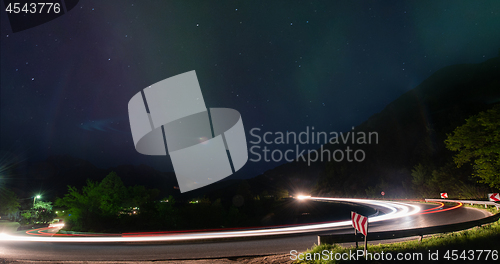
61, 225
38, 196
303, 197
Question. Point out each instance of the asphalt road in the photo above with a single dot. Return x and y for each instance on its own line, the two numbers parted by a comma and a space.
255, 247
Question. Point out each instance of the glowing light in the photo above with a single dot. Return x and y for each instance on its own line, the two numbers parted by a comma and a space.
303, 197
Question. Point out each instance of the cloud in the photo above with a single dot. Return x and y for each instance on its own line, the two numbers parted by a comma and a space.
104, 125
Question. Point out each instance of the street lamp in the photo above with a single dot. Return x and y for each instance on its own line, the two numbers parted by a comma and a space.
34, 199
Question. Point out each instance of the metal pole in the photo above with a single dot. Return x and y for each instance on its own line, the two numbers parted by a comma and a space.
356, 237
366, 244
366, 239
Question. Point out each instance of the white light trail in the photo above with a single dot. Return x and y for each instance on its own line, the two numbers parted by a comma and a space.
396, 210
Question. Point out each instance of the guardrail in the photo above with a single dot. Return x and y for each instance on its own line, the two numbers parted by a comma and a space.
486, 203
344, 238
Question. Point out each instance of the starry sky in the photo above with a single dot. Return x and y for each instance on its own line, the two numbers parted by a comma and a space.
284, 65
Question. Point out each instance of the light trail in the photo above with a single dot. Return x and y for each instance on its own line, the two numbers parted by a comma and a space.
443, 210
441, 205
396, 210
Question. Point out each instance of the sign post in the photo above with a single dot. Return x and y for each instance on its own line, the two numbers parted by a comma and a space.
356, 237
366, 244
444, 195
360, 223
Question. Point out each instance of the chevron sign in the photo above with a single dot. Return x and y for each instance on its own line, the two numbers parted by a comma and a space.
444, 195
360, 223
494, 197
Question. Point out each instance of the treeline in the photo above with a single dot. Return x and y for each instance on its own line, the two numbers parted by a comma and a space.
110, 206
27, 213
474, 168
463, 161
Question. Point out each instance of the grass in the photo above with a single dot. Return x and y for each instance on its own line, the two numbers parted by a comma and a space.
486, 237
491, 209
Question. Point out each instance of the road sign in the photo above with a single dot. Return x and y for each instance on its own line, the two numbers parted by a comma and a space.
444, 195
383, 193
494, 197
360, 223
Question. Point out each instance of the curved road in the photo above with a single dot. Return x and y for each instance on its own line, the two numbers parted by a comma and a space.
429, 215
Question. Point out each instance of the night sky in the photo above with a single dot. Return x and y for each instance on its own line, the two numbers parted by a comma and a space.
284, 65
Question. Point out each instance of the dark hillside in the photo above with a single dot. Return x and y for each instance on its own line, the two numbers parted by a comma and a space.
411, 130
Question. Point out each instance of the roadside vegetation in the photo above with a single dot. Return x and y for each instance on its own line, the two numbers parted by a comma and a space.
9, 203
27, 214
41, 213
459, 154
472, 167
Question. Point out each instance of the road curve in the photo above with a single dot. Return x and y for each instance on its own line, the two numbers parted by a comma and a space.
393, 216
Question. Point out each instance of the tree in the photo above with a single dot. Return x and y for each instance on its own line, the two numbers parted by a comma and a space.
26, 217
109, 206
112, 195
8, 202
43, 212
82, 206
422, 181
97, 205
478, 142
281, 193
